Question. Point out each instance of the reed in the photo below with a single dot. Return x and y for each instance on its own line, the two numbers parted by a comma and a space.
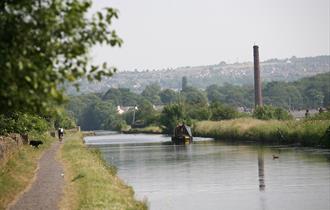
304, 132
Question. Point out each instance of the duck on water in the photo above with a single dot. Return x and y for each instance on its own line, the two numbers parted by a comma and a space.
182, 135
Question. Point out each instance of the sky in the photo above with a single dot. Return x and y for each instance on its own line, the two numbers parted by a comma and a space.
162, 34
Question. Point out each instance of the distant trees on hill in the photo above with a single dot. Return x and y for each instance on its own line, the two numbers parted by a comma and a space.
215, 103
311, 92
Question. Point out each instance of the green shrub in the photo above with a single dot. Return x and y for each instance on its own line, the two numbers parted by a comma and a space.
22, 123
269, 113
222, 112
62, 119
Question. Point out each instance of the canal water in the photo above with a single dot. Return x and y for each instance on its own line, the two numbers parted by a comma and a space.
216, 175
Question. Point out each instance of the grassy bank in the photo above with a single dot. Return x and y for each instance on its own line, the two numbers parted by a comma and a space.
305, 133
19, 171
148, 129
91, 184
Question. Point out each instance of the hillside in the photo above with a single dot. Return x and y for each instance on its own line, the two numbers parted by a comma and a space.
202, 76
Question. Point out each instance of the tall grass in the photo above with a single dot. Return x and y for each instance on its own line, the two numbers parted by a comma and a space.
18, 172
152, 129
305, 132
91, 183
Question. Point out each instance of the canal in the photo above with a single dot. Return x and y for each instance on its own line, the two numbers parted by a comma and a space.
217, 175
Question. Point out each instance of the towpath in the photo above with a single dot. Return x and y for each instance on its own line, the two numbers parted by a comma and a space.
47, 188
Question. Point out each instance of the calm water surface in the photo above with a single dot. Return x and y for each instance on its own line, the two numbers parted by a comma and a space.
216, 175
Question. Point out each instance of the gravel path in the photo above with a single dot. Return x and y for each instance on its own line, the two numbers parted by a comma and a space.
47, 188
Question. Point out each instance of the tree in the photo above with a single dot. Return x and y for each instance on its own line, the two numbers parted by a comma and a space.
151, 93
44, 45
100, 115
198, 113
171, 116
168, 96
222, 112
269, 112
122, 97
213, 93
194, 97
146, 113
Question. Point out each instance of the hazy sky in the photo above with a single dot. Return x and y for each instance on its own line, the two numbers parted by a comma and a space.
172, 33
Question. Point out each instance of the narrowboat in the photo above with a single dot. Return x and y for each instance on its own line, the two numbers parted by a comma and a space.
182, 135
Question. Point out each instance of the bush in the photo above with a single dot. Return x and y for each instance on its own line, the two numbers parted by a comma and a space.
321, 116
222, 112
198, 113
269, 113
63, 120
22, 123
171, 116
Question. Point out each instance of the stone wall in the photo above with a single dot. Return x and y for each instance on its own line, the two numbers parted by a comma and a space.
10, 144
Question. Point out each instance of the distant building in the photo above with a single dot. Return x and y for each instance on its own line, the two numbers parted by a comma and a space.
124, 109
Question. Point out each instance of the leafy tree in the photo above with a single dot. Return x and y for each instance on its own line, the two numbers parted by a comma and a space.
146, 113
168, 96
44, 44
23, 123
194, 97
76, 104
214, 94
100, 115
151, 93
198, 113
171, 116
222, 112
122, 97
314, 97
269, 112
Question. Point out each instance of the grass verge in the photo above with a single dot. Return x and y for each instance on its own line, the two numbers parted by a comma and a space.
305, 132
90, 182
148, 130
19, 170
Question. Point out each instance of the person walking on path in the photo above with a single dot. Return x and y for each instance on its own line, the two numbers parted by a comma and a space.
47, 188
60, 134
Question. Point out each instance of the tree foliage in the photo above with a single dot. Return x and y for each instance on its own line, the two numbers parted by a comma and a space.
171, 116
194, 97
168, 96
269, 112
44, 45
100, 115
122, 97
222, 112
151, 93
22, 123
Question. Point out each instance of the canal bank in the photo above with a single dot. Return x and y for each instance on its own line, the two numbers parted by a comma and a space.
90, 182
311, 133
18, 173
308, 132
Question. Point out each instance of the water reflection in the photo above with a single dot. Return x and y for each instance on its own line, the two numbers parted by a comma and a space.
261, 169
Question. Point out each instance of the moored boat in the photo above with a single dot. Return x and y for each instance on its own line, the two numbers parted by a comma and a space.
182, 135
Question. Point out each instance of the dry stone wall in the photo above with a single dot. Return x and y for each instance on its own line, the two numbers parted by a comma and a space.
10, 144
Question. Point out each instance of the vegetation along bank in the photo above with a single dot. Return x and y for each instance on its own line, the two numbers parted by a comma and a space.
91, 182
304, 133
18, 171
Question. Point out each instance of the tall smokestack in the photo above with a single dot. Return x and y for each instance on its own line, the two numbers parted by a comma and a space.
257, 82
